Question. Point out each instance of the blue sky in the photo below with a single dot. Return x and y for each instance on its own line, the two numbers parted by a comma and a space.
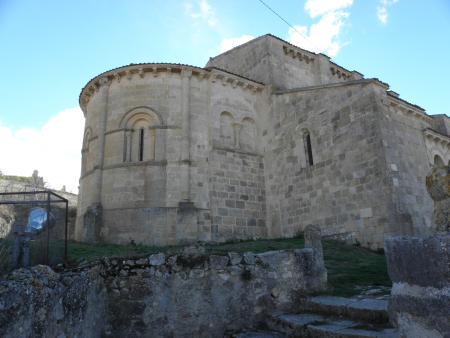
51, 49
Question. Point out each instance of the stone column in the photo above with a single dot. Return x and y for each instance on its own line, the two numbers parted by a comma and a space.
127, 146
313, 239
186, 141
103, 92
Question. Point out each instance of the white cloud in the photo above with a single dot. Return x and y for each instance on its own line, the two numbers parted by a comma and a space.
54, 149
202, 10
320, 7
382, 13
323, 36
230, 43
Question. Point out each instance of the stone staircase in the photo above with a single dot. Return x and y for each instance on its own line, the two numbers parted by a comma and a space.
331, 317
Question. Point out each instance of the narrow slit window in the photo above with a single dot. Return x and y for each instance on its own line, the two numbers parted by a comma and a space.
309, 150
125, 147
141, 144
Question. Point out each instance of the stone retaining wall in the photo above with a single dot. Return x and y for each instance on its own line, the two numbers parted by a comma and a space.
190, 294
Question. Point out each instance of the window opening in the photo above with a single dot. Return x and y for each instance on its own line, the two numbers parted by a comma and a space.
309, 150
141, 144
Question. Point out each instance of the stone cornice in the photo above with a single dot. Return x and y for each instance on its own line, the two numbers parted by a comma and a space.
234, 80
437, 137
331, 85
156, 70
298, 53
408, 108
339, 72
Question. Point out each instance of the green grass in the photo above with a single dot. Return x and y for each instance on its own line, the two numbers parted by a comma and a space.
86, 251
348, 266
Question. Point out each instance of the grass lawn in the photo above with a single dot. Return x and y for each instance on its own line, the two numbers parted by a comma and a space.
348, 266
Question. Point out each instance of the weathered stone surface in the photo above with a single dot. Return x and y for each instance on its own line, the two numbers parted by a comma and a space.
259, 334
189, 295
36, 303
420, 297
419, 261
367, 310
264, 141
235, 258
438, 185
218, 262
314, 325
249, 258
157, 259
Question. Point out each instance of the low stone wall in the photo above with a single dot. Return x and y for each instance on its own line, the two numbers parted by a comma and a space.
185, 295
420, 272
41, 303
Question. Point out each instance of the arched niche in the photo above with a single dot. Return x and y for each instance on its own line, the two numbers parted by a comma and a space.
248, 135
227, 137
141, 126
438, 161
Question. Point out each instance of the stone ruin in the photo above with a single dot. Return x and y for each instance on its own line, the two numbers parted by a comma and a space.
420, 270
189, 294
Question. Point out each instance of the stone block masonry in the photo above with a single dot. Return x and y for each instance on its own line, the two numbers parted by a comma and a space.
265, 140
237, 195
420, 272
185, 295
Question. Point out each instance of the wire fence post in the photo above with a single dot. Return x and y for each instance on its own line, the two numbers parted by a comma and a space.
48, 227
65, 231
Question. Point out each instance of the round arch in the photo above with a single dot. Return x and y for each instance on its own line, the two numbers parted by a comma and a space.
140, 113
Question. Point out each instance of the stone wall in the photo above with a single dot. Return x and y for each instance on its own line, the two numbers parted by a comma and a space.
280, 64
343, 191
183, 295
420, 271
42, 303
178, 109
406, 165
206, 128
237, 195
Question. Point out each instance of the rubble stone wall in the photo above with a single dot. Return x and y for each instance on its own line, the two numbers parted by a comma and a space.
182, 295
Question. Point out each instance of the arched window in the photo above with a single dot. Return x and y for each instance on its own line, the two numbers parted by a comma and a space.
247, 135
226, 129
308, 148
438, 161
140, 135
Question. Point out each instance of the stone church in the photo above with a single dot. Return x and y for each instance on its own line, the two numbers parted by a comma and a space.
264, 140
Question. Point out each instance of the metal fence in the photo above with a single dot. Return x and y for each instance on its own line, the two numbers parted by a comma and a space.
33, 229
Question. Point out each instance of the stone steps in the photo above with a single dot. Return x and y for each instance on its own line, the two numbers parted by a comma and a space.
318, 326
259, 334
331, 317
369, 310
